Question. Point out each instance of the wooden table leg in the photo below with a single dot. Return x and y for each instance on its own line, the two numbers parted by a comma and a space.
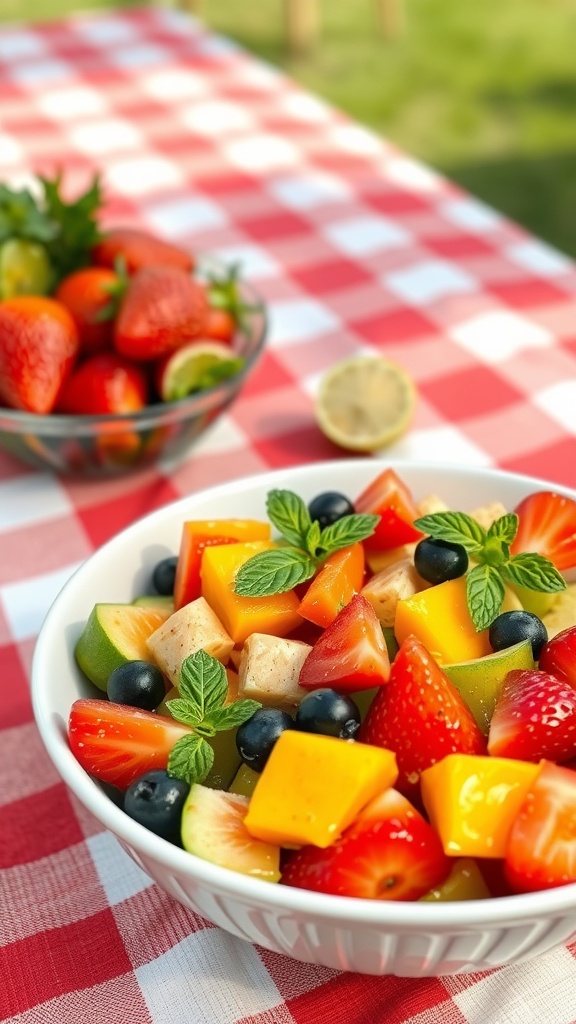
301, 20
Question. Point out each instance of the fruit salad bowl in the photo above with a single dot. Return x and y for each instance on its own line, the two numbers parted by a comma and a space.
363, 935
113, 444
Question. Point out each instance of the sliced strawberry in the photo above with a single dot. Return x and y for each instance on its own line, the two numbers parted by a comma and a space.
541, 851
162, 309
558, 656
388, 853
420, 716
535, 717
547, 525
38, 346
351, 653
117, 743
390, 498
137, 249
104, 383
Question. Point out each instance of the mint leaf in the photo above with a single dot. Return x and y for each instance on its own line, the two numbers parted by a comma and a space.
454, 527
288, 513
234, 714
203, 681
484, 594
313, 538
347, 530
191, 759
534, 572
186, 711
273, 572
503, 529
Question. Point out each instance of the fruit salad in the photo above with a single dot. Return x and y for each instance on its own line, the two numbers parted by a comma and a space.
100, 321
368, 696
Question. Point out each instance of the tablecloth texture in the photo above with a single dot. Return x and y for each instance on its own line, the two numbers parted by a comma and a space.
356, 247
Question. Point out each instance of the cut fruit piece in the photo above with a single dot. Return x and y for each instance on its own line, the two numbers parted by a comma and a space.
465, 882
24, 269
269, 670
364, 403
244, 782
114, 634
213, 829
312, 787
351, 654
339, 578
195, 367
200, 534
192, 628
480, 680
472, 801
160, 601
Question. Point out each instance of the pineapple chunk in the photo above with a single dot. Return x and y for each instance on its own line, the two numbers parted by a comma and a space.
488, 514
192, 628
430, 504
269, 670
562, 614
391, 585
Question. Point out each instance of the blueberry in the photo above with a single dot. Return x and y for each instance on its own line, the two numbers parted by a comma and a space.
258, 734
437, 561
510, 628
164, 575
327, 712
330, 506
138, 683
156, 800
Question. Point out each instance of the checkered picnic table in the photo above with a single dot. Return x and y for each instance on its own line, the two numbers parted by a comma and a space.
356, 247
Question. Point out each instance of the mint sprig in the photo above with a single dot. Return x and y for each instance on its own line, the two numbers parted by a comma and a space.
203, 688
490, 549
305, 545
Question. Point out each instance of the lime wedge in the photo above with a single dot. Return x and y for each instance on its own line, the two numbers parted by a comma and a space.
25, 269
196, 367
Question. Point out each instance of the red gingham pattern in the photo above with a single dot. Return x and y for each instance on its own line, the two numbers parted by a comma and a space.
356, 248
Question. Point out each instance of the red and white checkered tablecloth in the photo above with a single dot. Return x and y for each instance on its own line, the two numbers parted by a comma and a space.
356, 247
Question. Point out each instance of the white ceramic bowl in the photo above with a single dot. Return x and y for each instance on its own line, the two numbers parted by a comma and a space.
407, 939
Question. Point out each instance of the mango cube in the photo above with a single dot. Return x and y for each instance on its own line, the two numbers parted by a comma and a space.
241, 616
472, 801
439, 617
313, 786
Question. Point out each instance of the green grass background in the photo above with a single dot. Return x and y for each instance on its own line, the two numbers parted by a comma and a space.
482, 90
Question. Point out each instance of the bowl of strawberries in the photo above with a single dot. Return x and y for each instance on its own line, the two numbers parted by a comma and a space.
333, 710
117, 347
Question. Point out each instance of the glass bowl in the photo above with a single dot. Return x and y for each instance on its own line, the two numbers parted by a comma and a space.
108, 445
367, 936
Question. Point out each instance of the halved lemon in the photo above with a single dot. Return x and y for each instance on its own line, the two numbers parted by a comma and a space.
195, 367
365, 402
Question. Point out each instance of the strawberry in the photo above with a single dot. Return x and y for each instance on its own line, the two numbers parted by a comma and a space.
541, 851
351, 653
558, 656
136, 249
38, 346
88, 294
547, 525
389, 497
162, 309
219, 325
117, 743
104, 383
420, 716
534, 718
388, 853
